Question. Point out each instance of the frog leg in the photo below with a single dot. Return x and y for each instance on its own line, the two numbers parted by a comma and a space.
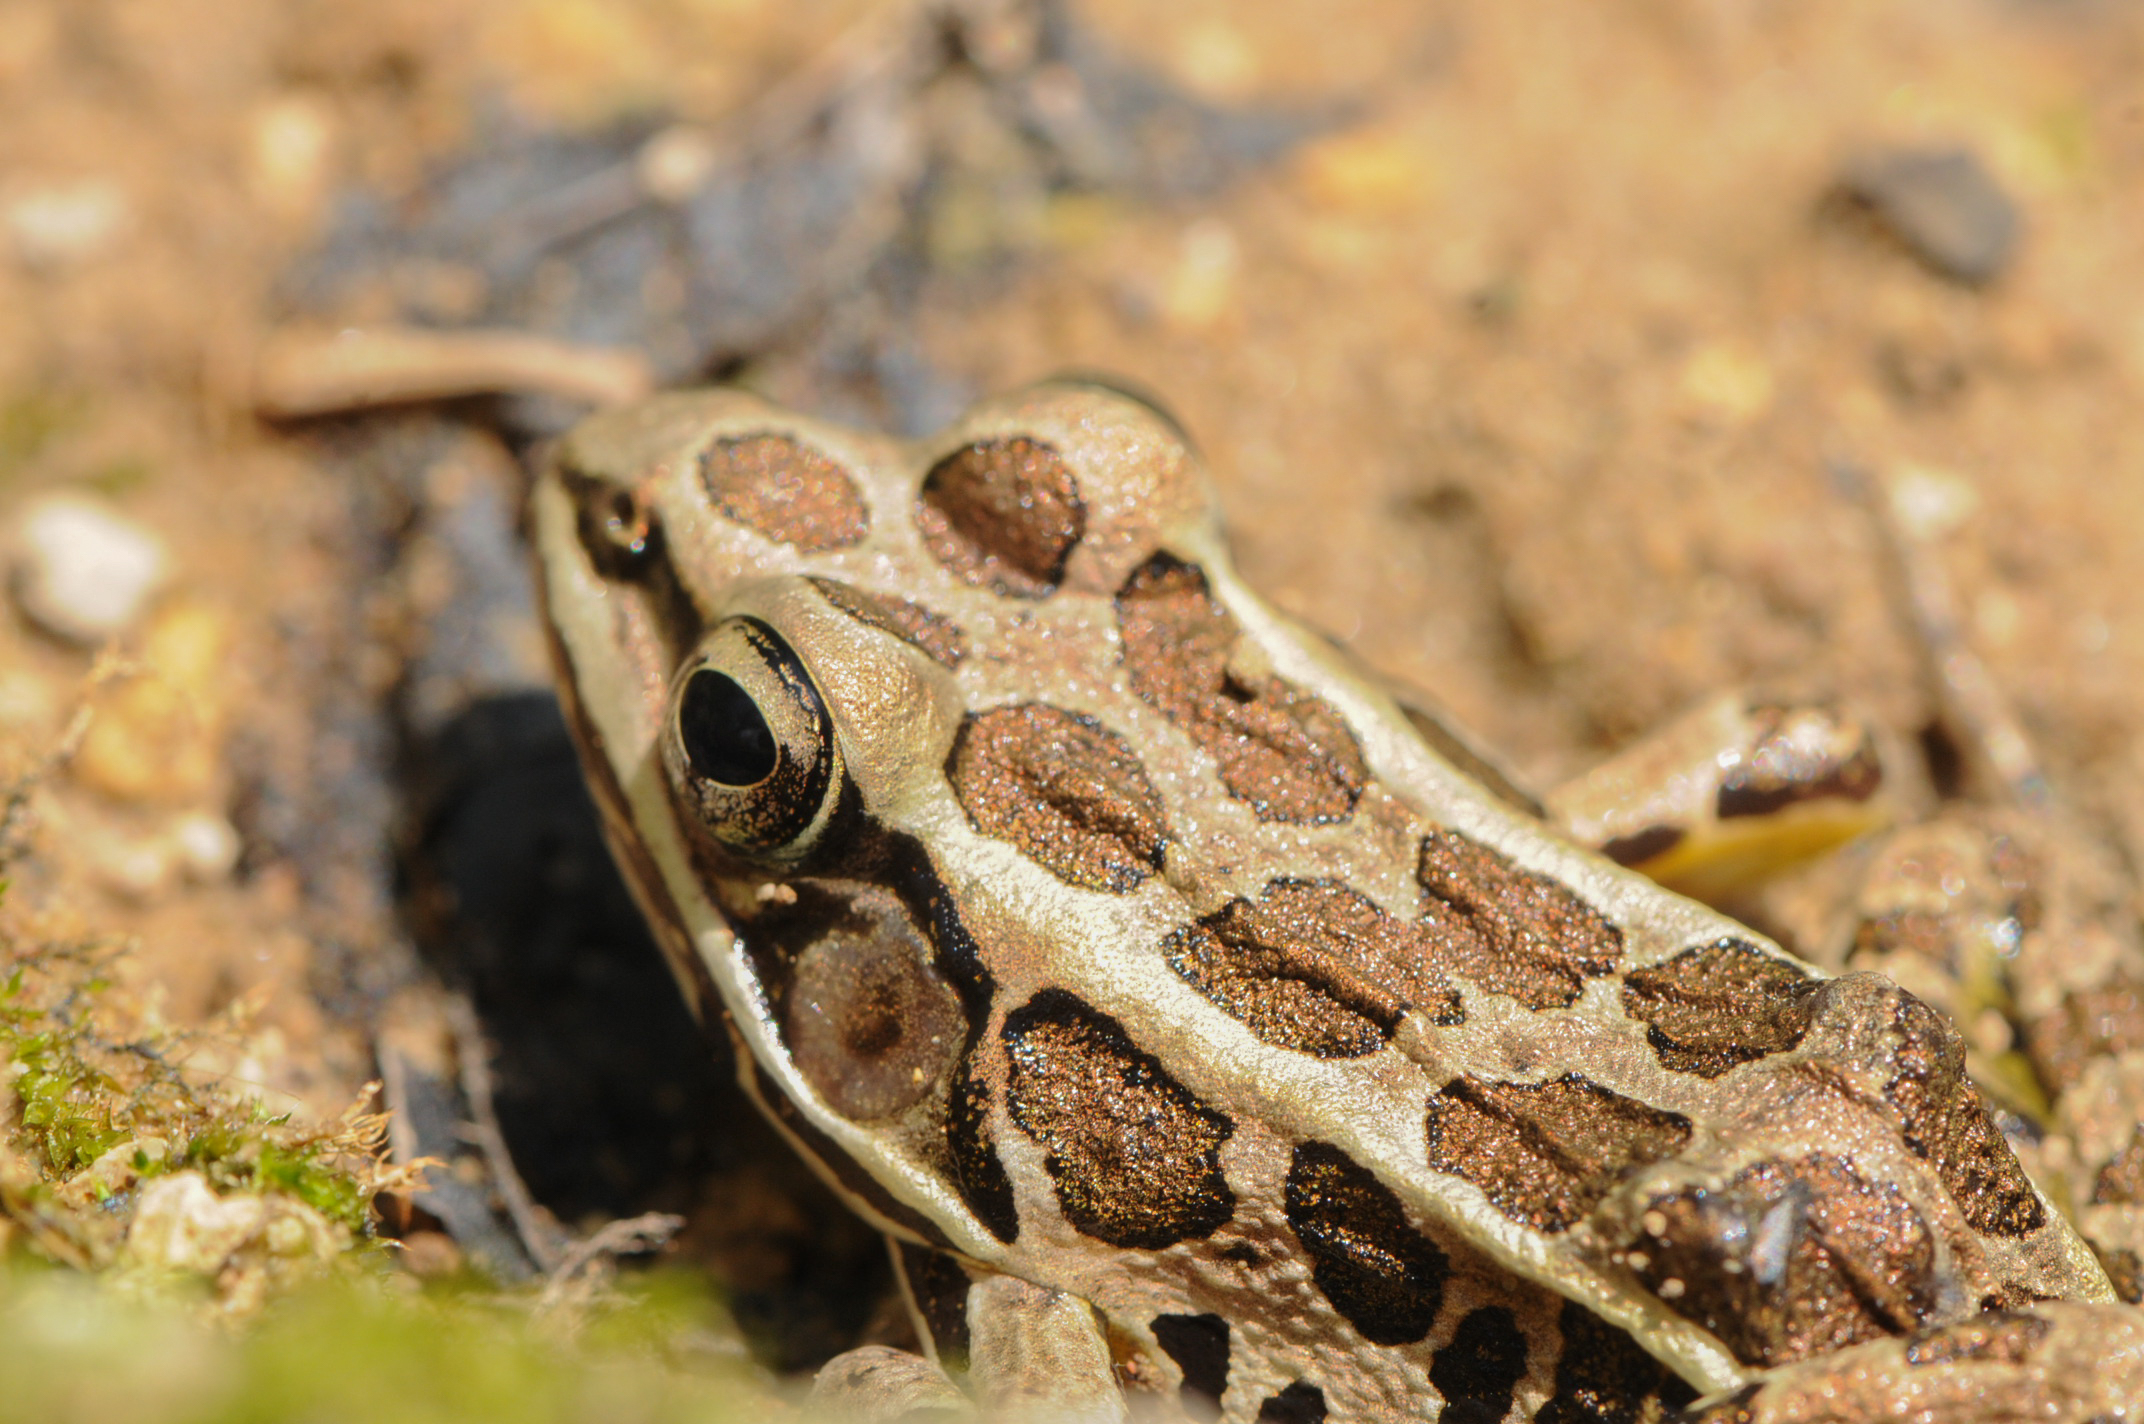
877, 1384
1037, 1354
1030, 1355
1738, 789
2069, 957
2058, 1362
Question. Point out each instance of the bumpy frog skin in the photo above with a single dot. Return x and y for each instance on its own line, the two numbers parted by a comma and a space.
1095, 929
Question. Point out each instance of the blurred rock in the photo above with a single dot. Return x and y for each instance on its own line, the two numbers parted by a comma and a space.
207, 845
290, 146
939, 145
83, 572
158, 736
1941, 204
1724, 384
182, 1225
1204, 285
129, 866
65, 223
431, 1255
1930, 503
1372, 173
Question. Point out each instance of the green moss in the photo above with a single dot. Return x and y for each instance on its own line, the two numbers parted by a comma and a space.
359, 1353
86, 1075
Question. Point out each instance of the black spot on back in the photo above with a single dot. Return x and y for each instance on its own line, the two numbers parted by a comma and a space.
1135, 1156
977, 1172
1480, 1369
1199, 1345
1386, 1277
1299, 1403
1602, 1377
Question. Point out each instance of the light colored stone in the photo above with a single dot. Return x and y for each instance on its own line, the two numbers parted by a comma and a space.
207, 845
82, 571
158, 736
181, 1224
1929, 502
292, 147
65, 223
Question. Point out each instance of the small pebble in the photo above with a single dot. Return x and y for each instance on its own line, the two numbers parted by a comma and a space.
207, 845
1218, 61
82, 572
158, 736
138, 870
430, 1255
180, 1224
1942, 204
1368, 173
1727, 385
677, 162
65, 223
1203, 286
292, 143
1929, 502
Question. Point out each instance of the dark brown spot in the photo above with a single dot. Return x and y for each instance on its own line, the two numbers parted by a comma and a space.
977, 1172
1790, 1259
1064, 789
2003, 1337
1546, 1153
1378, 1271
2011, 1295
1532, 938
867, 1019
785, 490
1279, 748
1299, 1403
2101, 1022
1479, 1369
1003, 514
1800, 754
938, 637
2121, 1181
1602, 1377
1718, 1005
1314, 966
1945, 1121
1641, 846
1199, 1345
1136, 1158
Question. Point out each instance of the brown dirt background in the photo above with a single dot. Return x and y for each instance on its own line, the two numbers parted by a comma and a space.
1524, 385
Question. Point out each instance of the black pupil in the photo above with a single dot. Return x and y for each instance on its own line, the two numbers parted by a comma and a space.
726, 739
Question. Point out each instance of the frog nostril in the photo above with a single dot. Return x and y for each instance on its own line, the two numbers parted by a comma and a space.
620, 529
725, 735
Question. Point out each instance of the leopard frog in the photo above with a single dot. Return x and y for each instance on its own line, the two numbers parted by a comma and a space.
1215, 1036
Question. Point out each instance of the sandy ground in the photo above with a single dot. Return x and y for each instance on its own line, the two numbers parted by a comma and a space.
1526, 382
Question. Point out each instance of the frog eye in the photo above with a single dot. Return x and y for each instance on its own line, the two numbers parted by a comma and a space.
750, 749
